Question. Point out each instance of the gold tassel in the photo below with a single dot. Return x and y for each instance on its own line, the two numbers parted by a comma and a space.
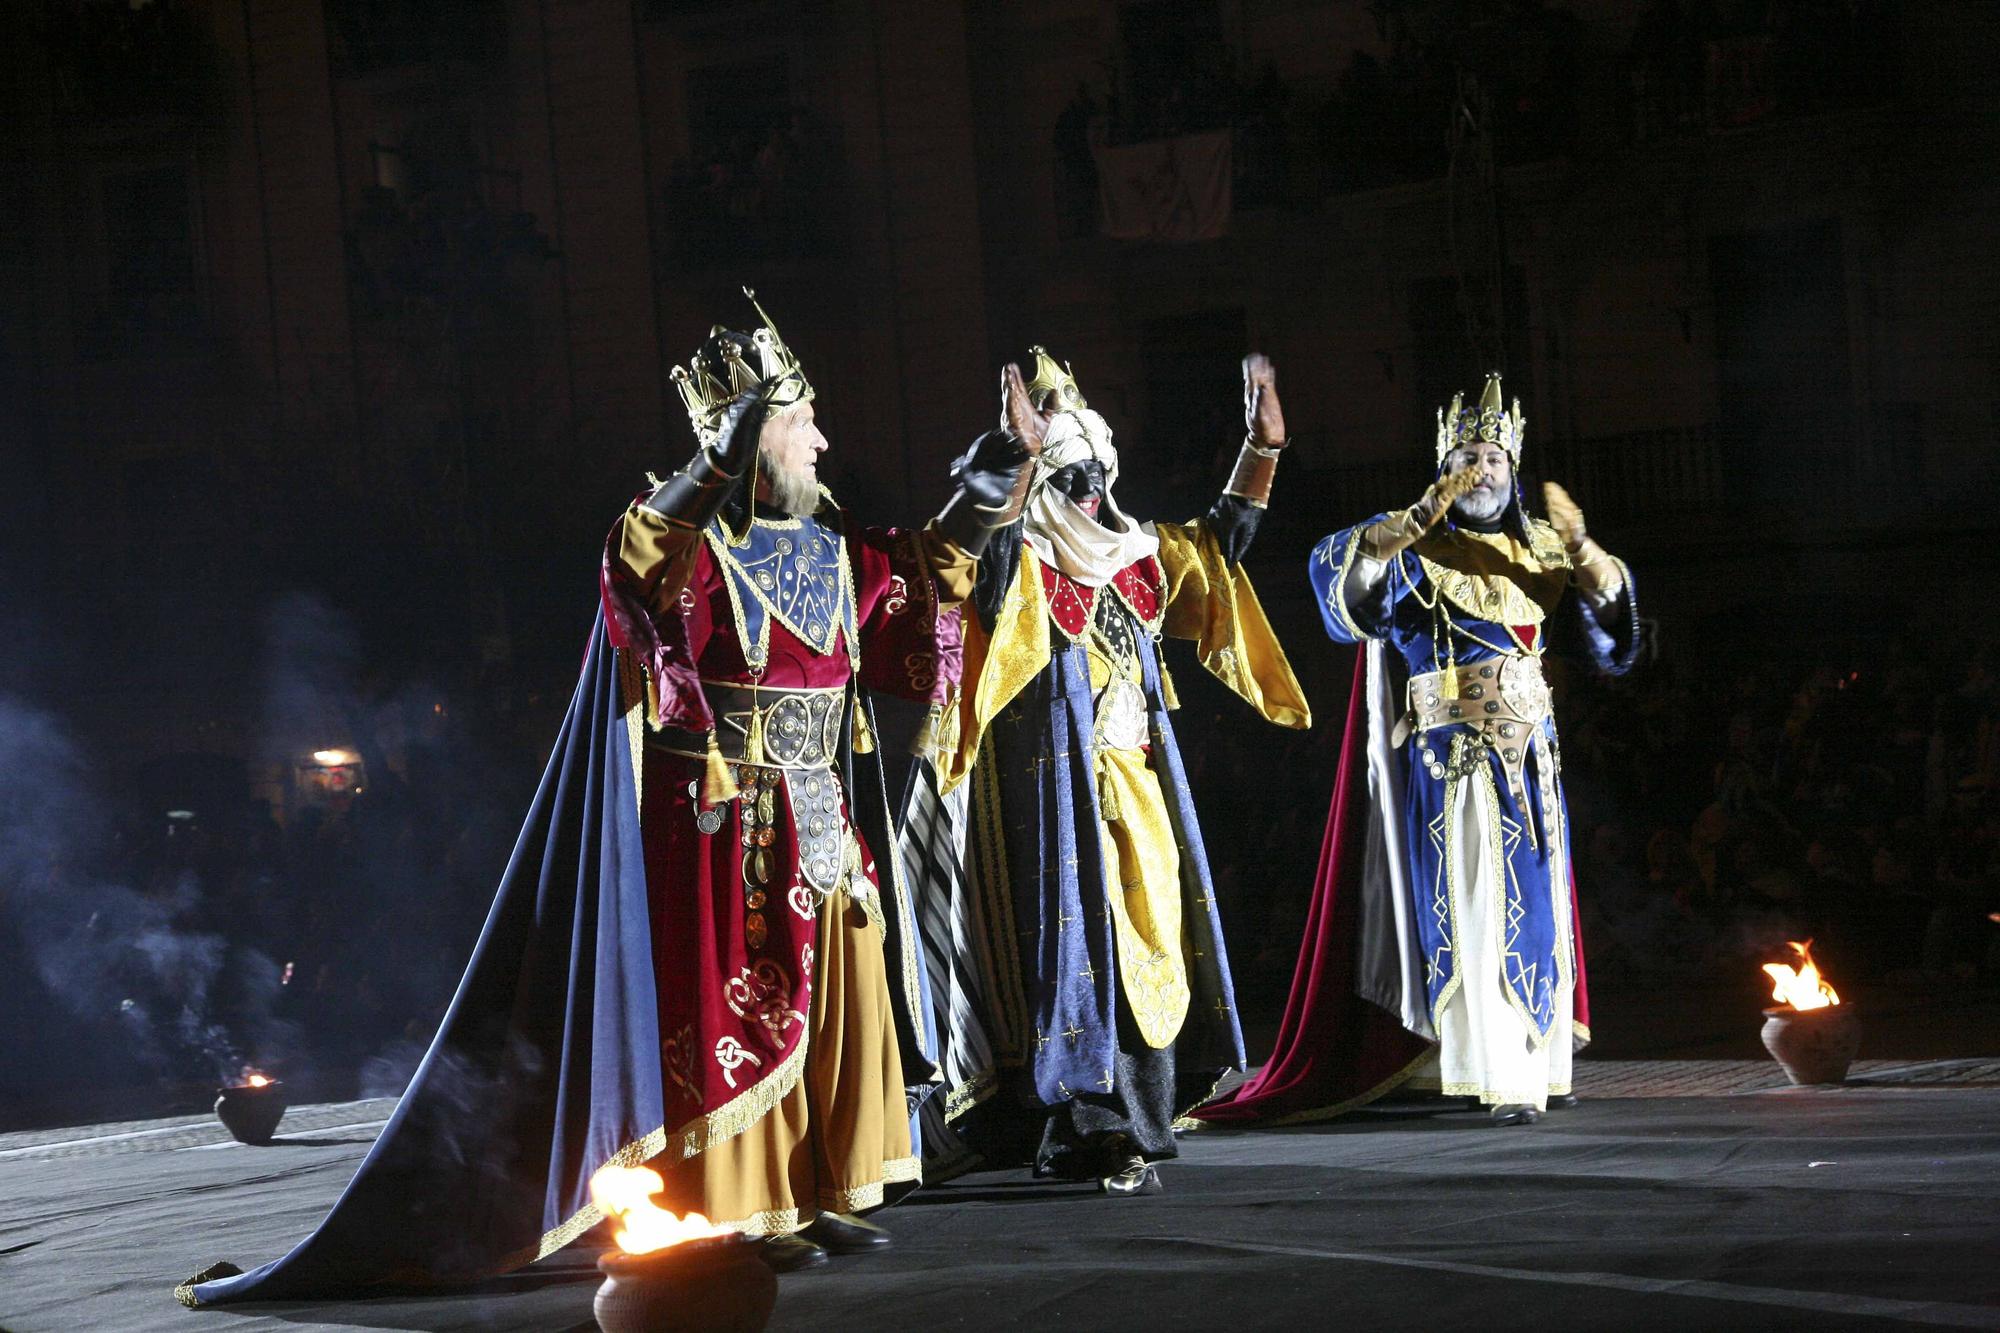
753, 739
1107, 802
1169, 696
1449, 686
864, 735
717, 785
927, 735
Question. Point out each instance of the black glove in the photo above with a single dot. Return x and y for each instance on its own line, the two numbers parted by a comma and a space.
742, 428
985, 476
1233, 520
692, 496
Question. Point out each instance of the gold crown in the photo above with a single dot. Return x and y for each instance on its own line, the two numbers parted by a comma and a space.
1053, 381
1487, 424
708, 389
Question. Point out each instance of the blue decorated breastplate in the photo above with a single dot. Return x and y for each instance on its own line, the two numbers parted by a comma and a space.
791, 570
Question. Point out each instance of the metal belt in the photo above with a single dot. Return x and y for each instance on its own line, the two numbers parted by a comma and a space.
801, 727
1503, 701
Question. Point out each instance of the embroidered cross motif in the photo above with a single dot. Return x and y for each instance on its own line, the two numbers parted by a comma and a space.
1105, 1081
1072, 1032
1088, 973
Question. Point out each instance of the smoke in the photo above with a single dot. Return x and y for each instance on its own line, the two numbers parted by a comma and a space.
108, 954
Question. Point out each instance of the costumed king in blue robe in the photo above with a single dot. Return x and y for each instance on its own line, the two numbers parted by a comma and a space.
1451, 911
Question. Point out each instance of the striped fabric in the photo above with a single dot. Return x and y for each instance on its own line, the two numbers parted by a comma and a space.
931, 840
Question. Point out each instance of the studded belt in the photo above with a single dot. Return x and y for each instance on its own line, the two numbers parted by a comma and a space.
800, 728
1499, 698
1503, 701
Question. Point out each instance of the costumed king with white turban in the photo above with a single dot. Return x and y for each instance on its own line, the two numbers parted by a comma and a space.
1081, 988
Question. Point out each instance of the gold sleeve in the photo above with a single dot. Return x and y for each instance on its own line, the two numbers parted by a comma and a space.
658, 553
1214, 605
952, 566
998, 666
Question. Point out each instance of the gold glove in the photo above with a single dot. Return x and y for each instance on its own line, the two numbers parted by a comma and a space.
1396, 531
1596, 574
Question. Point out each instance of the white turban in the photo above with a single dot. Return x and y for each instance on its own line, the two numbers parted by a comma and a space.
1089, 550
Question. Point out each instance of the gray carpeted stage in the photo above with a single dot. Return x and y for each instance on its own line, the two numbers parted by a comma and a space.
1684, 1194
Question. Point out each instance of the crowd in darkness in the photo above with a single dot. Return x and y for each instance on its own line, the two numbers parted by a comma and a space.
1720, 813
1718, 810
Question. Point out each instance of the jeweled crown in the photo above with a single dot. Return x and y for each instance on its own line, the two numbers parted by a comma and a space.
1461, 427
707, 389
1053, 382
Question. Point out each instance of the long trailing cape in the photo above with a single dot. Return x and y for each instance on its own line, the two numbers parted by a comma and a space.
547, 1065
1356, 1023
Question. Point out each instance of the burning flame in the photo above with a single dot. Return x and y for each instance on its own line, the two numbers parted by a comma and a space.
256, 1081
624, 1193
1803, 988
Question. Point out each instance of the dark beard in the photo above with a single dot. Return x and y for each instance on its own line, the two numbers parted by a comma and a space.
792, 493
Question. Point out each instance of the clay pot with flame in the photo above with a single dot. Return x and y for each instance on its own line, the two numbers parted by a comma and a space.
718, 1283
671, 1273
1810, 1033
251, 1110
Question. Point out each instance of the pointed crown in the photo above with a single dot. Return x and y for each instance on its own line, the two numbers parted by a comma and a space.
1486, 424
722, 372
1053, 381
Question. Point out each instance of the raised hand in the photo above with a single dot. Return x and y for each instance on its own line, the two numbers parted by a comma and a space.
1398, 531
1263, 418
1443, 493
1017, 414
1566, 517
742, 428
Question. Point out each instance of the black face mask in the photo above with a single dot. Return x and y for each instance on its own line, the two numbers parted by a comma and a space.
1080, 481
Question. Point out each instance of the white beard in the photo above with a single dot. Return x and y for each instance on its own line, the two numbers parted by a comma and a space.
795, 493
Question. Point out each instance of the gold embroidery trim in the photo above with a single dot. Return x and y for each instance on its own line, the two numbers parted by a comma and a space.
1336, 593
1376, 1093
1153, 622
978, 1088
769, 1222
184, 1293
757, 655
725, 1122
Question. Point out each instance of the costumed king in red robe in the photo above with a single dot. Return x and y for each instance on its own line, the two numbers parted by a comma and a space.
1441, 949
695, 960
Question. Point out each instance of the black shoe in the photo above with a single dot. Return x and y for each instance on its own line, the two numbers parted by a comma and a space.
1562, 1102
1134, 1176
843, 1233
1515, 1114
790, 1254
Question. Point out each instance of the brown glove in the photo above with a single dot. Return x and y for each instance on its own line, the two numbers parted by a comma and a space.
1595, 572
1018, 418
1396, 531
